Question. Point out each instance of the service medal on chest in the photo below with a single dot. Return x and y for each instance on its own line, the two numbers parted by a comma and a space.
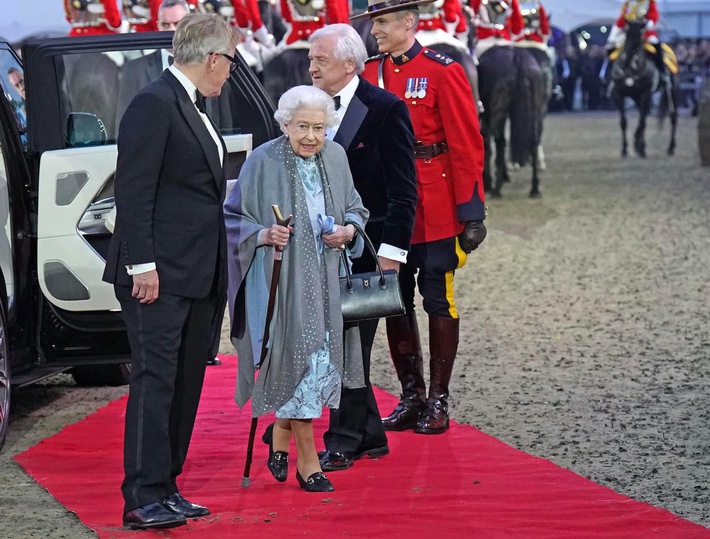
416, 88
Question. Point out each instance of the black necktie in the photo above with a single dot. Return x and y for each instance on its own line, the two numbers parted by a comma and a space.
200, 101
336, 100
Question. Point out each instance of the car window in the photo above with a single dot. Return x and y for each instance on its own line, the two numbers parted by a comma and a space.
100, 86
12, 84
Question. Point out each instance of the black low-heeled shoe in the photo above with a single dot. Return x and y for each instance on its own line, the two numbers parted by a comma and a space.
278, 460
316, 482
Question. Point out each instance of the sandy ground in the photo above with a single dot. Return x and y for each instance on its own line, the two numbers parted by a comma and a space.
585, 330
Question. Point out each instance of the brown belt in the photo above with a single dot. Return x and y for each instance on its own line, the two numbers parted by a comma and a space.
430, 150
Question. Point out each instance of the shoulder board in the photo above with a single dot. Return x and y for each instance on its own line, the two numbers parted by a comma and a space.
377, 57
438, 57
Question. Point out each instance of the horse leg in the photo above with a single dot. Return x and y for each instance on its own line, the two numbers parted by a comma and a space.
623, 123
639, 139
535, 190
487, 183
674, 121
502, 166
541, 157
501, 169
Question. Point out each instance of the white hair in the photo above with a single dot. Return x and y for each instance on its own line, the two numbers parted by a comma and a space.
348, 44
304, 97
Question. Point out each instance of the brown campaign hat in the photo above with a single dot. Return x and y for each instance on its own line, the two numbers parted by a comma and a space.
380, 7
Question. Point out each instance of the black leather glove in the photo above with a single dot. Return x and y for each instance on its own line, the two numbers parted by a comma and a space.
473, 234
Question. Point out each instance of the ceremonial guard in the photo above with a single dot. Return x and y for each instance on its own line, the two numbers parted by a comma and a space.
498, 22
257, 45
92, 17
248, 19
306, 16
446, 15
536, 26
450, 210
639, 10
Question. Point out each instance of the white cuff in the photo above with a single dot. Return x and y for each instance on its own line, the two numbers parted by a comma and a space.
135, 269
392, 252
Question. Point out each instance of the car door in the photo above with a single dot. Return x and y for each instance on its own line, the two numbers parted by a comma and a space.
73, 87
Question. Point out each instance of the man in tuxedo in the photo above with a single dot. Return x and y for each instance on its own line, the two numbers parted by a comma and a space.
376, 132
167, 263
142, 71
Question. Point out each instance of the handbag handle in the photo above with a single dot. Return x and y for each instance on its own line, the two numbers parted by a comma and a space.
368, 243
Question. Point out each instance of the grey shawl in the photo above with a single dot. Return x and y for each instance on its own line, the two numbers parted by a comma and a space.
301, 318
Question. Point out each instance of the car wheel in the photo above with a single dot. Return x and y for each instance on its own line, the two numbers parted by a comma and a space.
4, 378
102, 375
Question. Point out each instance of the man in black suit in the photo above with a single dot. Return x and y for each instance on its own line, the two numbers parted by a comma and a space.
167, 263
376, 132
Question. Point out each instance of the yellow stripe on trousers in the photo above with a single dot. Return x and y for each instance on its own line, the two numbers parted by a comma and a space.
450, 281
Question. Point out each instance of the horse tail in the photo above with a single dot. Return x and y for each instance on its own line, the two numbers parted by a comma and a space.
522, 114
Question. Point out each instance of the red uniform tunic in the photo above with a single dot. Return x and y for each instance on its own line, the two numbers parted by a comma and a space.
541, 34
87, 22
438, 96
651, 18
247, 14
305, 17
486, 28
144, 24
442, 15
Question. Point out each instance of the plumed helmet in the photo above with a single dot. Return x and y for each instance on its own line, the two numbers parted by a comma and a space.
636, 10
531, 15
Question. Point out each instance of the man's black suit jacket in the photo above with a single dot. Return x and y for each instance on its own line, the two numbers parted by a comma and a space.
169, 191
377, 135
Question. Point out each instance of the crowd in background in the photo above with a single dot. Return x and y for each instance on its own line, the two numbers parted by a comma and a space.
580, 84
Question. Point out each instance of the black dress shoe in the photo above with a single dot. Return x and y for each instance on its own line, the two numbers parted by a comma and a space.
214, 361
278, 460
316, 482
177, 504
152, 516
373, 452
332, 461
405, 415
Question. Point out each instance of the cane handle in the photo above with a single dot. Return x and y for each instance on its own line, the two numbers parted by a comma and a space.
280, 218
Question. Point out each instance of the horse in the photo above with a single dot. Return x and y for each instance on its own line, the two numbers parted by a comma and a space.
542, 57
511, 85
527, 111
636, 76
288, 68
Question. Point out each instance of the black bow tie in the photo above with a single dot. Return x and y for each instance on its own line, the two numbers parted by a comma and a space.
200, 101
170, 59
336, 100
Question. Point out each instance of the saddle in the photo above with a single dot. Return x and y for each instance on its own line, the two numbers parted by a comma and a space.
669, 57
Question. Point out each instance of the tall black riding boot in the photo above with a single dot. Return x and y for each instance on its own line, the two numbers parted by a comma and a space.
443, 344
660, 64
406, 352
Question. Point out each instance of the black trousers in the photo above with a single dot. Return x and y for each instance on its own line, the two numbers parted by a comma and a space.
357, 425
168, 340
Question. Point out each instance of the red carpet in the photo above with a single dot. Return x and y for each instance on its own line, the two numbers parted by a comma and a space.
461, 484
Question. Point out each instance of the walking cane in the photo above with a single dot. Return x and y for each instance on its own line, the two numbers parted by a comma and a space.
278, 255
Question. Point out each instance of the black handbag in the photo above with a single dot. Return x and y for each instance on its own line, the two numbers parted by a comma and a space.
366, 296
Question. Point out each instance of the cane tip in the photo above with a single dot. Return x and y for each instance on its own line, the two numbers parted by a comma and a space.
246, 482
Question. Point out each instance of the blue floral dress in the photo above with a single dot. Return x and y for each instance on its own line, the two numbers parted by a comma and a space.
321, 384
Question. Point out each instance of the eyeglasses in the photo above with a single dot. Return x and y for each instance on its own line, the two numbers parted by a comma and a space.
234, 63
304, 128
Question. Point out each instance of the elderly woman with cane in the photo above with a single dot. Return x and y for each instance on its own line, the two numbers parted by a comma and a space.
309, 354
